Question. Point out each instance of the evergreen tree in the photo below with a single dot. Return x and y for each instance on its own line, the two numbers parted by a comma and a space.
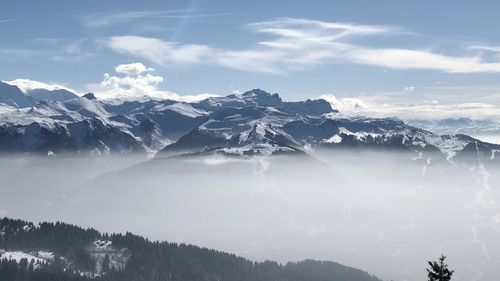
105, 264
439, 271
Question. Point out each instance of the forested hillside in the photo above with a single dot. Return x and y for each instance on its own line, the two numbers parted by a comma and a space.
58, 251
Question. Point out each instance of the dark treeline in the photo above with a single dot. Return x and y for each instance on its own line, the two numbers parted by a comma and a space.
148, 261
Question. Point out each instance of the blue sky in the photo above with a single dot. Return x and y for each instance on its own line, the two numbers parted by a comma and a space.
360, 54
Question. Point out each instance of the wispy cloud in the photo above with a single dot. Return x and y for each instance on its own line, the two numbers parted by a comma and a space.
6, 20
18, 53
487, 50
495, 49
300, 43
315, 31
419, 59
108, 19
53, 49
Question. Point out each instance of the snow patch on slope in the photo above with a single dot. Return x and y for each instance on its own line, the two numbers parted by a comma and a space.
38, 257
361, 135
334, 139
264, 149
448, 145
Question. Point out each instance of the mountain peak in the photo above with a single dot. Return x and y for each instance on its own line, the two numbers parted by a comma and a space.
256, 92
90, 96
263, 98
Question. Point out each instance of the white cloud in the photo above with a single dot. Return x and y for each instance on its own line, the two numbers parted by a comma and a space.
346, 105
159, 51
300, 43
135, 82
415, 59
132, 68
25, 85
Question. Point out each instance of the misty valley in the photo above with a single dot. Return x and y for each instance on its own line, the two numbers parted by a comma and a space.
384, 212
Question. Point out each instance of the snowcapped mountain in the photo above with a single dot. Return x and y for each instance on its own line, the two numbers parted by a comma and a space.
27, 94
260, 123
42, 91
13, 96
253, 123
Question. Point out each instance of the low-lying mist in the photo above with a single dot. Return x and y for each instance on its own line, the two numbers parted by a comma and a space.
381, 212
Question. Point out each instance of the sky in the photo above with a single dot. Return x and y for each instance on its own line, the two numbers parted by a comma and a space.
430, 58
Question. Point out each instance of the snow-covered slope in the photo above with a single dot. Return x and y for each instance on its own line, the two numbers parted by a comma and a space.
37, 257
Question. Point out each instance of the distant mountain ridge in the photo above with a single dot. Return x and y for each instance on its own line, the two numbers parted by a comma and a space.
452, 126
48, 251
253, 123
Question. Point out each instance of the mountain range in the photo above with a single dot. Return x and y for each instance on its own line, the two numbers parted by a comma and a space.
56, 121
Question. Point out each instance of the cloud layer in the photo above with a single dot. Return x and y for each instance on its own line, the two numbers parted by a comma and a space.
296, 44
391, 105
